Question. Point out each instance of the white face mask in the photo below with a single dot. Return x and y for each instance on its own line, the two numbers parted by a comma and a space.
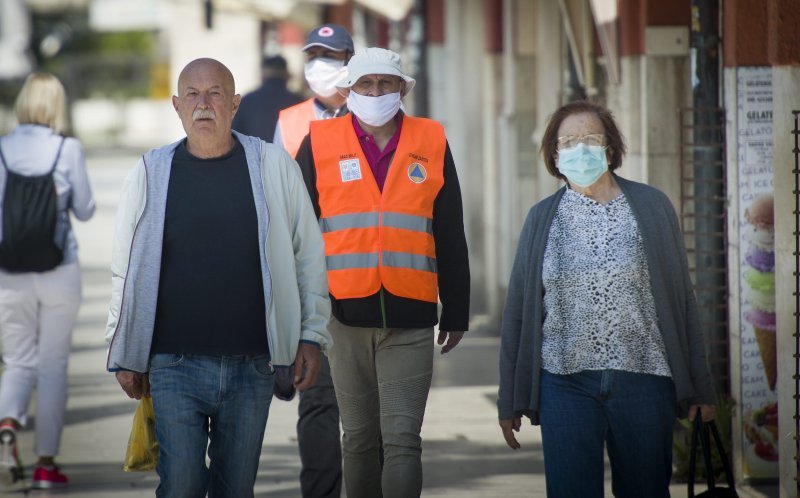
374, 111
322, 74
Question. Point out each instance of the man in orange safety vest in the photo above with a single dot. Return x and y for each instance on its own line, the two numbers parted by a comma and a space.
385, 189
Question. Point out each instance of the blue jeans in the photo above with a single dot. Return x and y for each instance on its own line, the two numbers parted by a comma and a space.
631, 414
221, 399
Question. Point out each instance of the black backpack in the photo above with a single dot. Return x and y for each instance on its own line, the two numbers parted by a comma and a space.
30, 212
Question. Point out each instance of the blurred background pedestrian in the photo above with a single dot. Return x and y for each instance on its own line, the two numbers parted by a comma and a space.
38, 307
258, 112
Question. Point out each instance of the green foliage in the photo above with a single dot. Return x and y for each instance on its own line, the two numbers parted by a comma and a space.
9, 89
682, 441
121, 43
91, 63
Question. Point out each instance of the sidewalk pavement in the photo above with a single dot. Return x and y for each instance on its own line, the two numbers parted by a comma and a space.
464, 454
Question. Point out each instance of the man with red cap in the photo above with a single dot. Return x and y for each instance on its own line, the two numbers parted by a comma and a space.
328, 48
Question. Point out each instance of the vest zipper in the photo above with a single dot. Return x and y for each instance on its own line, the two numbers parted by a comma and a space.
380, 240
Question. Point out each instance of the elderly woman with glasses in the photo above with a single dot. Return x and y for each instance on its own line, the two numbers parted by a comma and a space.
601, 343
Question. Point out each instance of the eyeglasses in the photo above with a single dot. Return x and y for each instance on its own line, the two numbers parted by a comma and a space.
569, 141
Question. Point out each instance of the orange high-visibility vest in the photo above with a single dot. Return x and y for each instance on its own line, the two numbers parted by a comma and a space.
373, 238
293, 122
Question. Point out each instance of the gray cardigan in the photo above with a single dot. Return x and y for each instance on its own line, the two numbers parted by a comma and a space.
521, 332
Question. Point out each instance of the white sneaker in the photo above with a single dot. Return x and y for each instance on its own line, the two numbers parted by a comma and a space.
10, 469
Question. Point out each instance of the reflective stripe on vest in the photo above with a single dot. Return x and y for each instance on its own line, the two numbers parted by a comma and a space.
375, 239
366, 220
345, 221
393, 259
406, 260
355, 260
293, 122
408, 222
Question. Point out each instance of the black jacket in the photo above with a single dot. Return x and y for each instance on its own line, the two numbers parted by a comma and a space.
259, 109
452, 263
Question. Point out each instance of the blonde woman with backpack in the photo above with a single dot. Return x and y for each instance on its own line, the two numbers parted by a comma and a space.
42, 179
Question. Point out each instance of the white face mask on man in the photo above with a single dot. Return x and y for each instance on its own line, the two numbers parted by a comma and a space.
323, 73
374, 111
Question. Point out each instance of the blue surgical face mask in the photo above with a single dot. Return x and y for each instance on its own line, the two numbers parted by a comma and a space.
583, 164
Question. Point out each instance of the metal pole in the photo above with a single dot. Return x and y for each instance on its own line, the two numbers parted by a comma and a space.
796, 192
709, 186
208, 13
418, 41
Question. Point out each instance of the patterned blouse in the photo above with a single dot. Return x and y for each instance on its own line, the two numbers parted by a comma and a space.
599, 309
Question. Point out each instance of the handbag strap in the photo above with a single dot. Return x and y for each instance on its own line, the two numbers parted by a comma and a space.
701, 431
3, 159
705, 442
726, 463
58, 154
693, 457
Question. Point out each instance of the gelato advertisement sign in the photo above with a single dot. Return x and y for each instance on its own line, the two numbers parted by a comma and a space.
757, 272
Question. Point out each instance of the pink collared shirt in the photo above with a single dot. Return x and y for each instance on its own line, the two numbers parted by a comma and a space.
378, 160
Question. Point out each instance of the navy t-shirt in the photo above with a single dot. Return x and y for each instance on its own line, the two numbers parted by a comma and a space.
211, 294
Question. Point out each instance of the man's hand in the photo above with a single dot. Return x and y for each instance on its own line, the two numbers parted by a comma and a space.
306, 365
453, 338
509, 427
134, 384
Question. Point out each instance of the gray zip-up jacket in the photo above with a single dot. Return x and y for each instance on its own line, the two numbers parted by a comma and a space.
292, 256
523, 317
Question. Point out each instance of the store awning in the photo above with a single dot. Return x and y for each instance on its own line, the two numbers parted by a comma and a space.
272, 9
268, 9
605, 21
394, 10
579, 24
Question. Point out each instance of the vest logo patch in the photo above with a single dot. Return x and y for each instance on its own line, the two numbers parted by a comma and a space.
417, 173
350, 170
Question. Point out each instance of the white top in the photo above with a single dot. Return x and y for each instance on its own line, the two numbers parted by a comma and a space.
599, 309
31, 150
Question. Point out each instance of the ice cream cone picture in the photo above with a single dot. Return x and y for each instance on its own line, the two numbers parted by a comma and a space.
765, 338
759, 277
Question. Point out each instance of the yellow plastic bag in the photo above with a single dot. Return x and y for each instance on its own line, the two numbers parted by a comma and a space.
142, 451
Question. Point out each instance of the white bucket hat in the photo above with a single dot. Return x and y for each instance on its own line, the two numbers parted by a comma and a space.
374, 60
